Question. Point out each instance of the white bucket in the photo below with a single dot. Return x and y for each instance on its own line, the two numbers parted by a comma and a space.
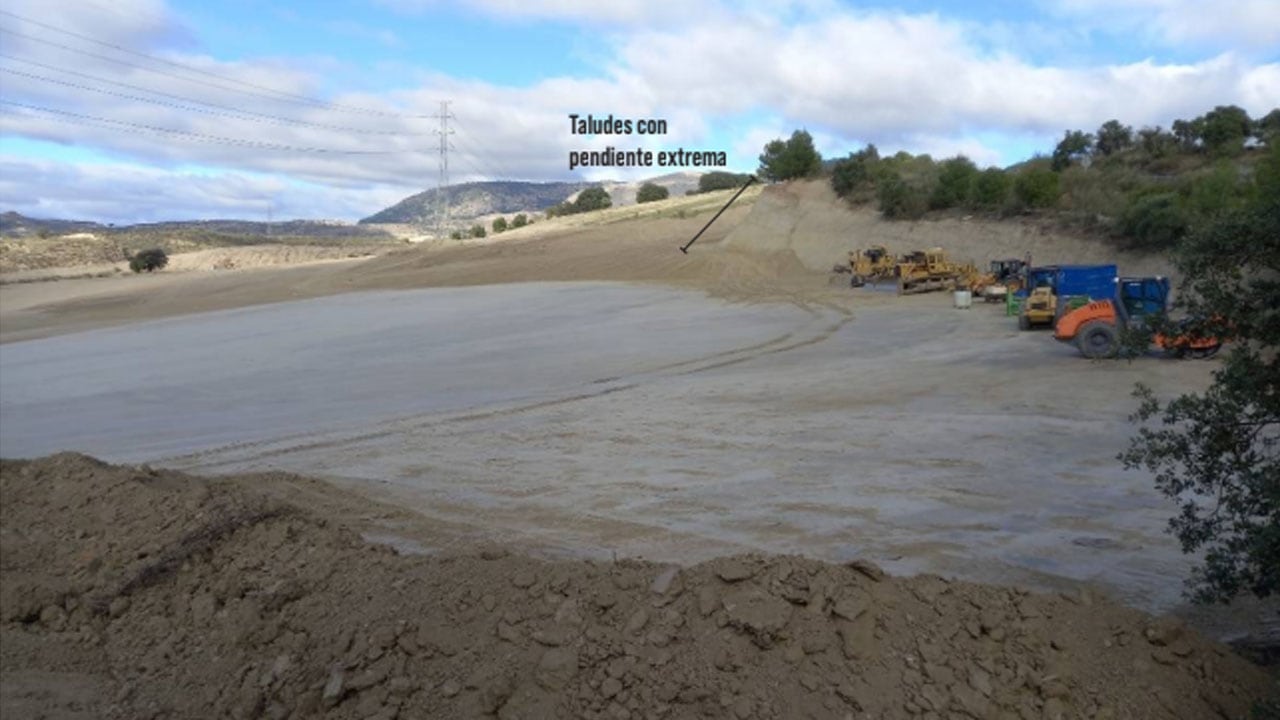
964, 299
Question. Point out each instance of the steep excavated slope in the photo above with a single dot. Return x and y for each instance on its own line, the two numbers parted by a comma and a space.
808, 219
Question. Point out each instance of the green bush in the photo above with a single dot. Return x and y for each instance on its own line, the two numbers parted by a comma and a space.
148, 260
650, 192
499, 225
955, 180
720, 180
854, 172
593, 198
1267, 128
1156, 143
1217, 192
477, 231
456, 235
900, 200
519, 220
990, 189
1154, 221
1036, 187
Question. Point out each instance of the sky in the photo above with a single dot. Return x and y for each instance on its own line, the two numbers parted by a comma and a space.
128, 111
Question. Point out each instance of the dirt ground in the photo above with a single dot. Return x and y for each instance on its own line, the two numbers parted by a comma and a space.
897, 429
131, 592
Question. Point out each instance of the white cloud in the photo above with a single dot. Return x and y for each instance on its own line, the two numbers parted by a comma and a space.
917, 82
1251, 23
598, 12
884, 76
127, 193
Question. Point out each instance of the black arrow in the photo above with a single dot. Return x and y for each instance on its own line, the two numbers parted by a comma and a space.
685, 248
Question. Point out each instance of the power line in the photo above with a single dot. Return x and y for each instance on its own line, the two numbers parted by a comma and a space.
233, 112
189, 68
305, 101
71, 116
490, 165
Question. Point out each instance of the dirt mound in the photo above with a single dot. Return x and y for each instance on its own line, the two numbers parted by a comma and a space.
129, 592
820, 228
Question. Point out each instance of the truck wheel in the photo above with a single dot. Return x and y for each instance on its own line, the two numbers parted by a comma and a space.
857, 281
1024, 322
1097, 339
1205, 353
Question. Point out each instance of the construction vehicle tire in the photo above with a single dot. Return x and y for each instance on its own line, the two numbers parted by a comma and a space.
1098, 339
857, 281
1206, 353
1024, 322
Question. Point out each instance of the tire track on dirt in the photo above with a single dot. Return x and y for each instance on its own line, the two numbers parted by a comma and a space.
238, 454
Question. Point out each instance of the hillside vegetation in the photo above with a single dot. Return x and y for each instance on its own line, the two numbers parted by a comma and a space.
1145, 188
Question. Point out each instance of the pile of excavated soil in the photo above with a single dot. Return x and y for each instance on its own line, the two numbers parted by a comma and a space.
808, 219
133, 593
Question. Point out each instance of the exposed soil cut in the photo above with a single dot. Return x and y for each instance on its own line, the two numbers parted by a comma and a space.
129, 592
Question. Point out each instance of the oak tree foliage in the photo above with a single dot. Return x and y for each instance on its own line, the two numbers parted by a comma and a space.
1217, 453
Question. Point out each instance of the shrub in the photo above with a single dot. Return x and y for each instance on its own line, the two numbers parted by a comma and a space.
650, 192
477, 231
1216, 192
1036, 187
990, 189
519, 220
499, 225
899, 200
1156, 143
955, 178
456, 235
148, 260
720, 180
854, 172
1154, 221
593, 198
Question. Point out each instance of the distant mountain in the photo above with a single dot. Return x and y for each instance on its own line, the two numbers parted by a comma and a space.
14, 224
17, 225
478, 199
470, 200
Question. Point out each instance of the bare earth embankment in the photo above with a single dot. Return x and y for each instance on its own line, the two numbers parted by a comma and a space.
130, 592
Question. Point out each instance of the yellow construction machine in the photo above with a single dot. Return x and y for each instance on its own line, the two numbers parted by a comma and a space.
1005, 276
926, 271
871, 265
